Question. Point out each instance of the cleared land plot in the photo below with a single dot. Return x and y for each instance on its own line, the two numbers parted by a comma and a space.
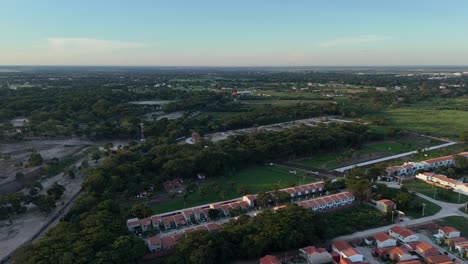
255, 179
441, 194
283, 102
458, 222
449, 123
367, 152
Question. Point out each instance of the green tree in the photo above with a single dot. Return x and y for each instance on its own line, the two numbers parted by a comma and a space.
56, 191
45, 203
127, 249
19, 177
35, 159
140, 210
403, 199
263, 199
361, 188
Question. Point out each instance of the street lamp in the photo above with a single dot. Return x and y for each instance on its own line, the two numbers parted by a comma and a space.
424, 206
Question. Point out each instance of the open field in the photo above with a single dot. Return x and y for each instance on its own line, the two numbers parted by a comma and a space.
458, 222
256, 179
440, 193
368, 151
450, 123
283, 102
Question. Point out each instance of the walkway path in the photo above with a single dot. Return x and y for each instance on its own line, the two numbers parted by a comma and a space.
397, 156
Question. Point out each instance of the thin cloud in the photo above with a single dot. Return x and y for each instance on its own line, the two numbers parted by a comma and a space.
90, 45
350, 41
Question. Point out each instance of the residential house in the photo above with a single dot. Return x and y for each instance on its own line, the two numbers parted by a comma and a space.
315, 255
449, 232
340, 246
382, 240
402, 234
414, 261
439, 178
400, 254
424, 249
456, 241
462, 188
133, 224
250, 199
145, 224
439, 162
462, 247
154, 243
385, 205
439, 259
352, 254
269, 259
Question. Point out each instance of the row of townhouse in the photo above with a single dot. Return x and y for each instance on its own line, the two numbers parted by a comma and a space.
439, 178
409, 169
315, 188
196, 215
328, 202
184, 217
159, 242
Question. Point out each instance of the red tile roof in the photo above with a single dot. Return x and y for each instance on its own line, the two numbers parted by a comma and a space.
327, 199
212, 227
439, 259
269, 259
400, 251
424, 247
435, 160
448, 229
133, 222
402, 231
145, 221
382, 237
154, 240
310, 250
350, 252
168, 241
387, 202
341, 245
414, 261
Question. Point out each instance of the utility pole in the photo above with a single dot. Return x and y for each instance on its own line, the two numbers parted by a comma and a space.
435, 192
424, 206
459, 196
466, 206
393, 212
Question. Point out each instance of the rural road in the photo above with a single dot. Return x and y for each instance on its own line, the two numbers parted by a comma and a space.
397, 156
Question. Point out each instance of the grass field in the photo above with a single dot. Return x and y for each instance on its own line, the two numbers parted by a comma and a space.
333, 160
416, 208
458, 222
440, 193
256, 179
449, 123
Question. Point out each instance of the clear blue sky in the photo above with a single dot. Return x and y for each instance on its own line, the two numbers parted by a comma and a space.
233, 33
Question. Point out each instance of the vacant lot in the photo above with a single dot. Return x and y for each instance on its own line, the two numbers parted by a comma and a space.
369, 151
450, 123
441, 194
458, 222
253, 179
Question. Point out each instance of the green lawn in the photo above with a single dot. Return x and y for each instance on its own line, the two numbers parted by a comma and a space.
332, 160
458, 222
257, 178
450, 123
324, 161
440, 193
415, 210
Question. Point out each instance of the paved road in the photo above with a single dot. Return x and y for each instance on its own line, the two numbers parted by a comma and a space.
448, 209
397, 156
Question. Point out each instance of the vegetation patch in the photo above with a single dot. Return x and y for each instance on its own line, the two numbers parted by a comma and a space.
433, 191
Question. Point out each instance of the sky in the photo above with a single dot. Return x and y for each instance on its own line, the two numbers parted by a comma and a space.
234, 32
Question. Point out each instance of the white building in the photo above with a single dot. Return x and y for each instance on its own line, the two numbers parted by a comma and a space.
403, 235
